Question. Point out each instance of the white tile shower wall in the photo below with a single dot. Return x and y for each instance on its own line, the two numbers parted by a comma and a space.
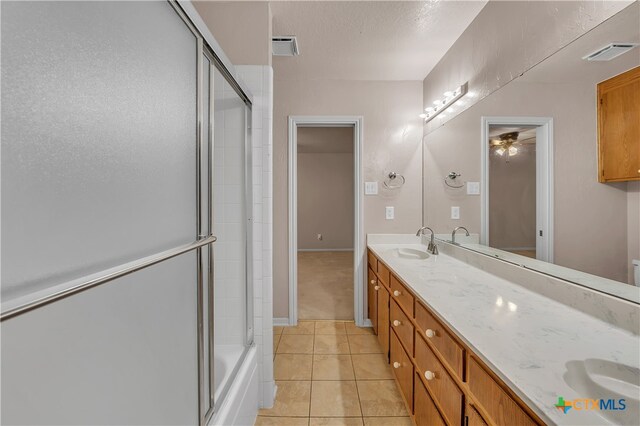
259, 79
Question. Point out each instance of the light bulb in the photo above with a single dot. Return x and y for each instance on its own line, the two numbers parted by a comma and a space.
499, 301
437, 102
500, 151
448, 94
512, 306
429, 109
513, 150
423, 116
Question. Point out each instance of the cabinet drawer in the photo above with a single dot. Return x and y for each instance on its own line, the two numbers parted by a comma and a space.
402, 369
383, 274
437, 334
496, 402
441, 385
373, 262
473, 417
402, 295
425, 409
402, 326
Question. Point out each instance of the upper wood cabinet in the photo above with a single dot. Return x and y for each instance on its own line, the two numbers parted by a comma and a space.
619, 127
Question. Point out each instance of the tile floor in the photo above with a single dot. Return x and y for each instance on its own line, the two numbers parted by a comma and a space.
325, 285
332, 373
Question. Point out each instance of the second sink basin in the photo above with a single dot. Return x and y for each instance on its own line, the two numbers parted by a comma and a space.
409, 253
602, 379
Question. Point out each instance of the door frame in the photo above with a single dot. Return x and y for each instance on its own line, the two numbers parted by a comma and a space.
356, 122
544, 180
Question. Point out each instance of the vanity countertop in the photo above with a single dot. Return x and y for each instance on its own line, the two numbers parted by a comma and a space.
526, 338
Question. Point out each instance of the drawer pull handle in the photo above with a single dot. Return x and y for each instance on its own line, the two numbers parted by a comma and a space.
396, 293
430, 333
376, 288
396, 364
373, 281
396, 323
429, 375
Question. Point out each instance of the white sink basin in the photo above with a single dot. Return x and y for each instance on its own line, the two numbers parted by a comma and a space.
409, 253
601, 379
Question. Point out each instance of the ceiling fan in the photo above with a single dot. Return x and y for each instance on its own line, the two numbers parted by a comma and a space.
508, 143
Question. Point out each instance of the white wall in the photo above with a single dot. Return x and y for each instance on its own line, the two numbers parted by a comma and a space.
325, 201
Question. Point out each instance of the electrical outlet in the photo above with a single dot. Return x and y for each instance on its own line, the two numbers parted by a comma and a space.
473, 188
455, 212
371, 188
389, 212
320, 237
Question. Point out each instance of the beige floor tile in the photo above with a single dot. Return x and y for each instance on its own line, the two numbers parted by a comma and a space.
363, 344
277, 329
295, 344
276, 341
292, 400
330, 327
281, 421
332, 367
381, 398
371, 366
331, 344
335, 421
387, 421
334, 399
325, 285
353, 329
292, 367
303, 327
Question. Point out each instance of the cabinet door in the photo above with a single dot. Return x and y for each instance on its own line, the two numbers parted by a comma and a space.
619, 127
372, 296
426, 412
402, 369
383, 320
474, 418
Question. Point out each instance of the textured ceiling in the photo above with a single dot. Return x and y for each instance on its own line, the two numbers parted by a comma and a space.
368, 40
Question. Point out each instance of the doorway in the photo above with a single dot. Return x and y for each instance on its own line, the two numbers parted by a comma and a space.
325, 227
517, 179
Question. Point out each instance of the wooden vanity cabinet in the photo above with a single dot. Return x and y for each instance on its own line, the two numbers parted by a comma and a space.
441, 380
619, 127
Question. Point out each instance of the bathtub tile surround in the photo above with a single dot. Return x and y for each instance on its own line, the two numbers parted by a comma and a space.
259, 79
328, 383
528, 338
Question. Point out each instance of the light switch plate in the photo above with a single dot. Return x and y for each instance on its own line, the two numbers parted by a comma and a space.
389, 212
371, 188
473, 188
455, 212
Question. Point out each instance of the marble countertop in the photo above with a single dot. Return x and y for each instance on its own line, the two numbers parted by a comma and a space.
526, 338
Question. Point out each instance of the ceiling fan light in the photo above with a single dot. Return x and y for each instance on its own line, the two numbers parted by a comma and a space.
513, 150
500, 151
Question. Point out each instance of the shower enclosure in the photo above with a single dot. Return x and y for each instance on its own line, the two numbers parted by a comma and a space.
126, 212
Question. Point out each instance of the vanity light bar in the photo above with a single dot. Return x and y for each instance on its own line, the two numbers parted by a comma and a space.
442, 104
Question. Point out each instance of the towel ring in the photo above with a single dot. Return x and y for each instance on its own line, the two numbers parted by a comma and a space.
391, 183
451, 182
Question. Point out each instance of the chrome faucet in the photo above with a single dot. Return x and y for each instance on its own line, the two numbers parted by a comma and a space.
432, 248
453, 234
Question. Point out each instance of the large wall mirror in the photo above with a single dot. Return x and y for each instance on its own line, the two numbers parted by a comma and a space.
531, 148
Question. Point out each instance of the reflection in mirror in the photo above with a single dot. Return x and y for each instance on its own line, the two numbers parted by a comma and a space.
589, 230
512, 189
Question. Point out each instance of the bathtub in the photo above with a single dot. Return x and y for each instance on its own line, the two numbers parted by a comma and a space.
240, 404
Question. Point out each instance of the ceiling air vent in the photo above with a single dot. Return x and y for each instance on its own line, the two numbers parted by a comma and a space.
285, 46
610, 51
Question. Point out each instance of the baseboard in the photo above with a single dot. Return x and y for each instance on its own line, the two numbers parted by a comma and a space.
367, 323
327, 249
279, 322
516, 248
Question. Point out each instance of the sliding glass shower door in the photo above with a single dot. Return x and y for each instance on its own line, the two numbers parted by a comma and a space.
112, 193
